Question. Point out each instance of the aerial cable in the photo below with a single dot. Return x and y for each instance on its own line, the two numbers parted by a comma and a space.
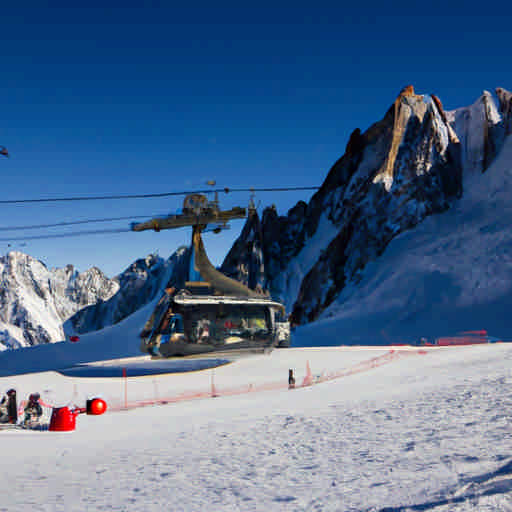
65, 235
225, 190
71, 223
268, 189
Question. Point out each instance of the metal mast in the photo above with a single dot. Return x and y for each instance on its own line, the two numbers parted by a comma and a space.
198, 213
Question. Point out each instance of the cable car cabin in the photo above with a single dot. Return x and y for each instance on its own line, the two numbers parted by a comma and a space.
191, 325
213, 313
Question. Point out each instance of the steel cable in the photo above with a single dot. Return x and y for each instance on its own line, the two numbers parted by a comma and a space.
225, 190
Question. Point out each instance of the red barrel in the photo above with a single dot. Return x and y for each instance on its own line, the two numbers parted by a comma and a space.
63, 419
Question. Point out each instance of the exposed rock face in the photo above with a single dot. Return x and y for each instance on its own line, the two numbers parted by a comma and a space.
407, 167
244, 261
263, 249
403, 168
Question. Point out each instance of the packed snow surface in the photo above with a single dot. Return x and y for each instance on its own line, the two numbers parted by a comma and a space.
428, 430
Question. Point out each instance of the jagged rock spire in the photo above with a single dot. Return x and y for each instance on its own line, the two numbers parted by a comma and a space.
244, 261
505, 99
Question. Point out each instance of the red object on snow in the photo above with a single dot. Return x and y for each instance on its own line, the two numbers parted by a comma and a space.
482, 332
96, 406
74, 339
467, 338
461, 340
63, 419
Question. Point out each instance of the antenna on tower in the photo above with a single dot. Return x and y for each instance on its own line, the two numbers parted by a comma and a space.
215, 201
252, 206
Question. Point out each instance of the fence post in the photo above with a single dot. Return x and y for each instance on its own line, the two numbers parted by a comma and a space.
156, 390
125, 389
308, 379
214, 391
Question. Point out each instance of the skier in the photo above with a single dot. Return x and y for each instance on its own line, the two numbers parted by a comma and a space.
4, 417
33, 410
291, 379
203, 330
9, 408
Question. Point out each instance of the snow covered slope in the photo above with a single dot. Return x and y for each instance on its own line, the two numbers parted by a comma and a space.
424, 432
452, 273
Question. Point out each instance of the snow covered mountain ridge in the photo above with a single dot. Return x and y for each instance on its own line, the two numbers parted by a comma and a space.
34, 301
38, 305
411, 164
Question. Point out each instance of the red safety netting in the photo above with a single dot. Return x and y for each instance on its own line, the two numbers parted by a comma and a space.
308, 380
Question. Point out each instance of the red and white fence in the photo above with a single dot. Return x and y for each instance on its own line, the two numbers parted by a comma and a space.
308, 380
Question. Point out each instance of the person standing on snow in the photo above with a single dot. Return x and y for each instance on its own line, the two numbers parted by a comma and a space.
291, 379
9, 407
33, 409
4, 417
12, 406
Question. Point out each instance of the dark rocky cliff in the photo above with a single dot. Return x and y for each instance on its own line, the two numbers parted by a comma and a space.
405, 167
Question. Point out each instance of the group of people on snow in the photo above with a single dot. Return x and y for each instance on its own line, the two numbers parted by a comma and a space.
33, 411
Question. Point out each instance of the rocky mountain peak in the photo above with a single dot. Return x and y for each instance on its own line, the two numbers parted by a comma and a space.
408, 90
38, 305
136, 286
406, 166
244, 261
407, 105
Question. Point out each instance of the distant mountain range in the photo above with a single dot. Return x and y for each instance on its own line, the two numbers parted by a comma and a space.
415, 162
38, 305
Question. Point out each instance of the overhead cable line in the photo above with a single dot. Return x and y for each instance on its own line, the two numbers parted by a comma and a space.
225, 190
268, 189
65, 235
72, 223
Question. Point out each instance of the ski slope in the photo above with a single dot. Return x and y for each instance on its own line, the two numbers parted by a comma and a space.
427, 430
418, 430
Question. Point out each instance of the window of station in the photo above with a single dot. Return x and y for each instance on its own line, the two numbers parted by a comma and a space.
217, 322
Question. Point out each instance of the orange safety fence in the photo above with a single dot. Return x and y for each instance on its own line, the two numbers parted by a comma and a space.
214, 391
309, 380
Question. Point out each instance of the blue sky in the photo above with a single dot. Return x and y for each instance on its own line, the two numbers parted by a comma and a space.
100, 100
